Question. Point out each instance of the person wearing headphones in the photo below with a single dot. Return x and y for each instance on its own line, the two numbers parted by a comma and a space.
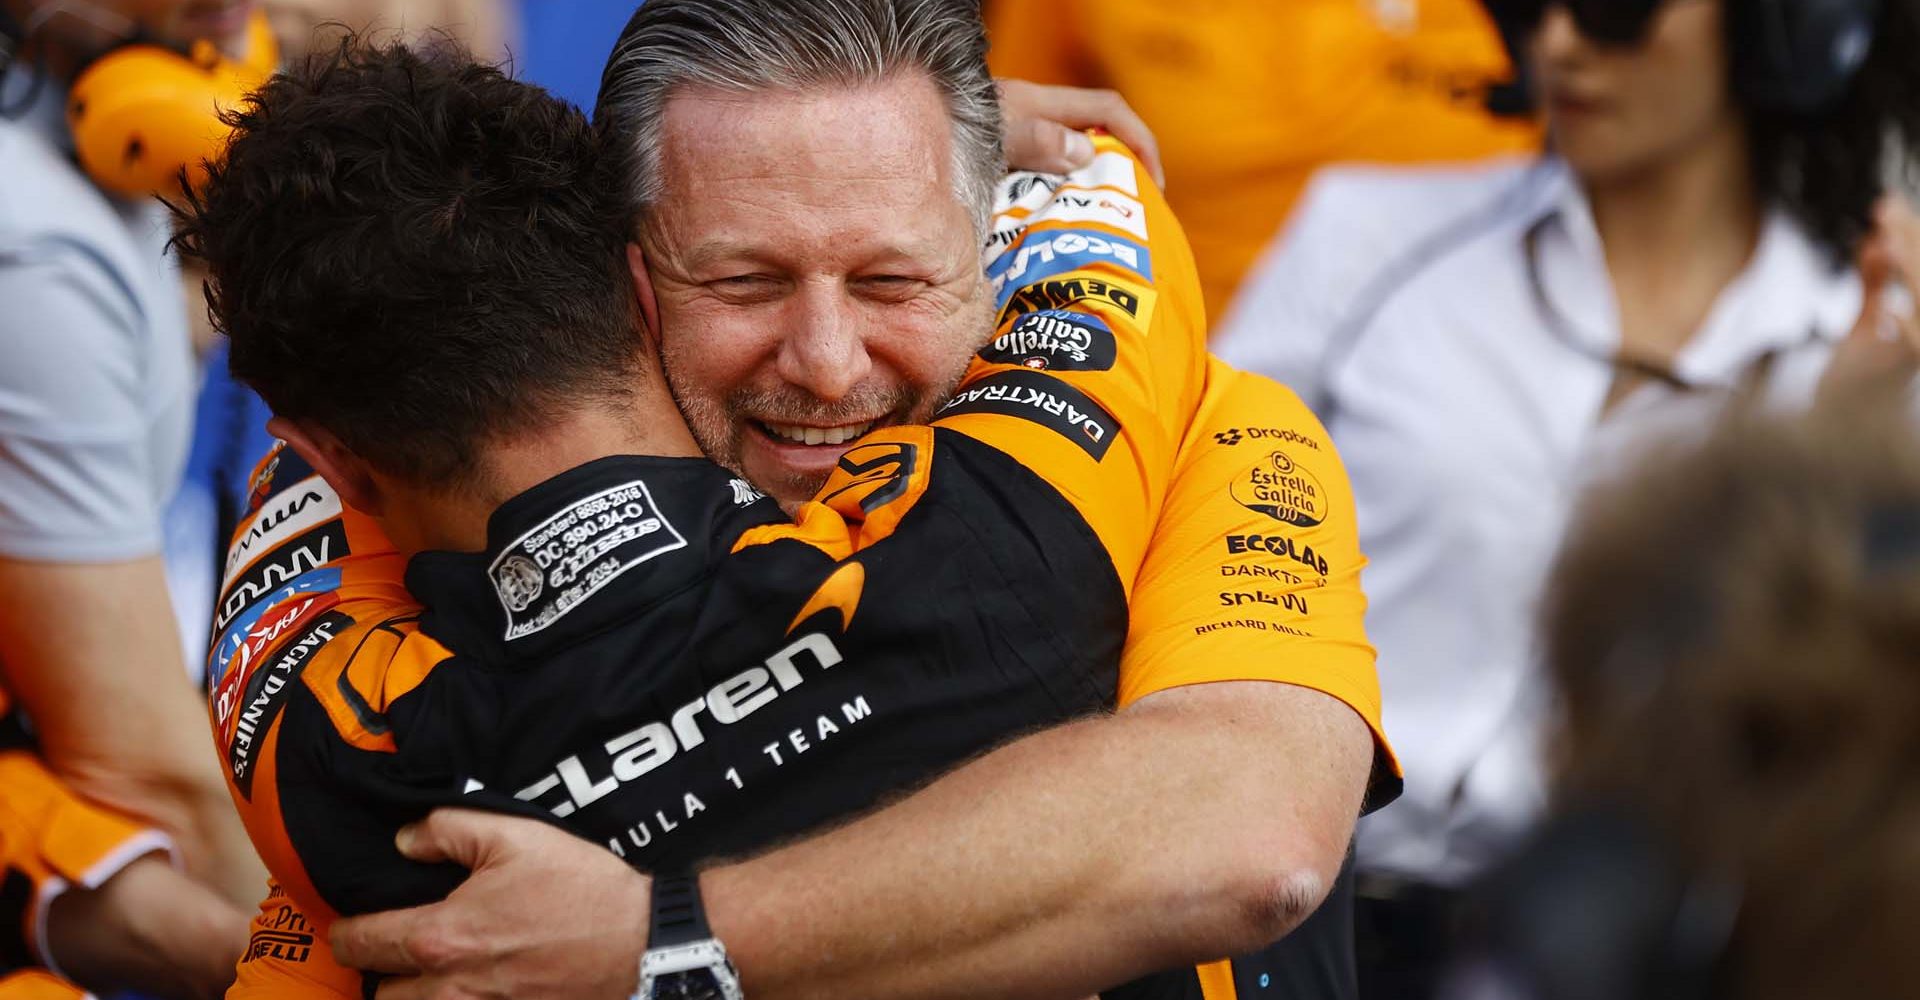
1732, 784
102, 104
1710, 215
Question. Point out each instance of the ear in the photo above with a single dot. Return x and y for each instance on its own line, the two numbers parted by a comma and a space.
643, 290
346, 472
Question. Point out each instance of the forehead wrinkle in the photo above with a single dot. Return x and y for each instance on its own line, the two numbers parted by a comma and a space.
842, 174
837, 220
896, 129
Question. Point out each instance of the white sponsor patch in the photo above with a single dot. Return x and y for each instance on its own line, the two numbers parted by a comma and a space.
1108, 208
570, 556
1030, 190
308, 503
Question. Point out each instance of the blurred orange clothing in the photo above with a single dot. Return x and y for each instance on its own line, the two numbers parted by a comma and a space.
1249, 97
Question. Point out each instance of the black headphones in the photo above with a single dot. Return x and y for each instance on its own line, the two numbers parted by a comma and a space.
12, 33
1795, 56
1798, 56
1596, 907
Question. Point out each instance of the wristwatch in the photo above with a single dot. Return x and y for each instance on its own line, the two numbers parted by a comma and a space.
684, 961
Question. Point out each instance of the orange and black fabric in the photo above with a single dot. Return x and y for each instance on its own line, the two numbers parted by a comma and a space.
52, 841
651, 656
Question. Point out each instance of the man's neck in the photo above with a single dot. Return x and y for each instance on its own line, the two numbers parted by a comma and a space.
1675, 235
457, 520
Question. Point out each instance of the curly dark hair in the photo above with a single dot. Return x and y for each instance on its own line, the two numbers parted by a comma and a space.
415, 252
1828, 168
1735, 633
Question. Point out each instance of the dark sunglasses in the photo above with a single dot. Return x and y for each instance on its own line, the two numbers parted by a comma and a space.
1607, 22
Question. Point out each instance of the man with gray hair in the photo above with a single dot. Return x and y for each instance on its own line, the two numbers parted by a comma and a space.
810, 184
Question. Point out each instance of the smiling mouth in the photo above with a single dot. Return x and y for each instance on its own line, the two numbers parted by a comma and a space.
800, 434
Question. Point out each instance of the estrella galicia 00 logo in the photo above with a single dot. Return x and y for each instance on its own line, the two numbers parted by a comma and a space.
1055, 340
1282, 490
1044, 400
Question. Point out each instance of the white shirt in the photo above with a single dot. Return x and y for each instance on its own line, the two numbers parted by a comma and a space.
1454, 328
97, 374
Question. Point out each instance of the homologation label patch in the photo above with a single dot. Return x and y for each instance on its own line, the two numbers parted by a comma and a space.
567, 558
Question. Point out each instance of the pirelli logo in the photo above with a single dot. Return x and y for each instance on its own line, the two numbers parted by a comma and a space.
1040, 399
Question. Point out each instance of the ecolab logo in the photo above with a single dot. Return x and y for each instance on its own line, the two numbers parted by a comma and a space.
635, 753
1053, 253
1279, 545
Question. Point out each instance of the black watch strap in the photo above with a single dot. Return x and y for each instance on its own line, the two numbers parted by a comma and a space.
678, 917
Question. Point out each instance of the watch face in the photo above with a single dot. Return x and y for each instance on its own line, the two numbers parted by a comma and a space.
694, 984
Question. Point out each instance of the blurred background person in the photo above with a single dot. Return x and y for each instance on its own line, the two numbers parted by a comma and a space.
1477, 338
1737, 801
485, 27
97, 381
1249, 97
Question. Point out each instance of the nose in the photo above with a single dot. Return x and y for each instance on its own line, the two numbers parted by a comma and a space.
824, 350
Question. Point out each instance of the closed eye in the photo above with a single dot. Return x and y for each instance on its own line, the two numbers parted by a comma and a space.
890, 286
745, 287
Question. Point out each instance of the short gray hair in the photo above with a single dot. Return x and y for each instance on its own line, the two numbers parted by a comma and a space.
753, 45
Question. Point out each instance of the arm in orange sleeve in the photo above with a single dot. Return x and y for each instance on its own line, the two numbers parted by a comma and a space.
94, 895
1254, 574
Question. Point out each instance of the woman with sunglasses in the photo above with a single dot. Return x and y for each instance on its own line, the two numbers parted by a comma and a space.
1710, 215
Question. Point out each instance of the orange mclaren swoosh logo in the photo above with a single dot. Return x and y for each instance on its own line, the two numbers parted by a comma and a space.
841, 591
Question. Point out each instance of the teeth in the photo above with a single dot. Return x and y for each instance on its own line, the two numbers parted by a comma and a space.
817, 435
